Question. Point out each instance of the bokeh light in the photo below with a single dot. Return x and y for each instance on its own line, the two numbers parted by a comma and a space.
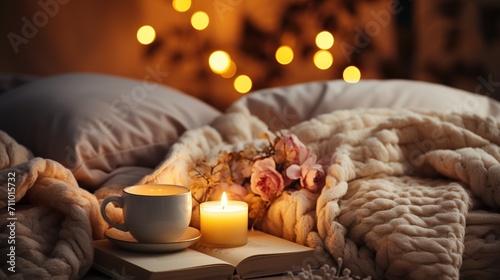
243, 84
323, 59
352, 74
181, 5
324, 40
229, 73
146, 34
219, 61
199, 20
284, 55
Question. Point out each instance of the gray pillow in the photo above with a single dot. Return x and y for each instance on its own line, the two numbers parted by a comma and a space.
94, 123
283, 107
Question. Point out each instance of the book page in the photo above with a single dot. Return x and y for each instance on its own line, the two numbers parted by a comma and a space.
184, 259
155, 263
260, 246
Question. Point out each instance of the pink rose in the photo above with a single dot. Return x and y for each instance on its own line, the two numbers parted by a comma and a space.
310, 173
291, 150
233, 191
265, 180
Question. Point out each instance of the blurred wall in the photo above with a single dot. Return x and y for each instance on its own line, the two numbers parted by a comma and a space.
457, 43
383, 38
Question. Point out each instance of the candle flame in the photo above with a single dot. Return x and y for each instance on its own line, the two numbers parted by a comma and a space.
223, 201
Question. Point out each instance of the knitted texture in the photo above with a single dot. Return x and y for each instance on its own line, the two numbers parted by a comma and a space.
408, 195
55, 220
400, 187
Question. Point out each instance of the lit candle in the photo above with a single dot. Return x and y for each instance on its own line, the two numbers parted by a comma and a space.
224, 223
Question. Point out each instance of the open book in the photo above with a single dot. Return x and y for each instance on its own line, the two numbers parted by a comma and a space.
263, 255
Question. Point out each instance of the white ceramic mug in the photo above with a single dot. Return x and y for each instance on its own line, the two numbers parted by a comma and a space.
153, 213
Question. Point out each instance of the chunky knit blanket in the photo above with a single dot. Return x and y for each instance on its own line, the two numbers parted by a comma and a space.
408, 195
47, 221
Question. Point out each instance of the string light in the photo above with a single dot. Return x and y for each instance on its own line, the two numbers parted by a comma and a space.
352, 74
323, 59
243, 84
200, 20
284, 55
181, 5
219, 61
229, 73
324, 40
146, 34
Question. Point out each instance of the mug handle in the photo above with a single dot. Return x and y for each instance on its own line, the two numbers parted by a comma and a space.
119, 200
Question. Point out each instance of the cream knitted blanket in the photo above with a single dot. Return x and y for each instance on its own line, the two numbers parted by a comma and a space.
408, 194
47, 222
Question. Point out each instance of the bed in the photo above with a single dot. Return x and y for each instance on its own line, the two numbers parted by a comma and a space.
412, 173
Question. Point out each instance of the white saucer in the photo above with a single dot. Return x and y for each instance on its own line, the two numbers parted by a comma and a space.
125, 240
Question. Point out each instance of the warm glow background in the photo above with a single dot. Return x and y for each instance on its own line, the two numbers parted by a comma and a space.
218, 50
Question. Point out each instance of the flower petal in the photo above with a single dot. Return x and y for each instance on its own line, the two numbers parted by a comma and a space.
293, 171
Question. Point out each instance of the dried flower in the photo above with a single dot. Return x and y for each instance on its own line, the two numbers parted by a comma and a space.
327, 272
291, 150
310, 173
258, 174
265, 180
233, 191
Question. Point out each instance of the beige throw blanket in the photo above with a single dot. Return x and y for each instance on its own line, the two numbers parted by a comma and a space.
47, 221
408, 194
